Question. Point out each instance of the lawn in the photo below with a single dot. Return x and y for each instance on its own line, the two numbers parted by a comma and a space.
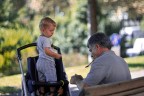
135, 63
10, 84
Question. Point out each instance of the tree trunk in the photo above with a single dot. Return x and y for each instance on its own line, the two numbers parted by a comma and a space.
92, 20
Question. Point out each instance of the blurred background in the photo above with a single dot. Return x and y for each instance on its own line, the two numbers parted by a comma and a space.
121, 20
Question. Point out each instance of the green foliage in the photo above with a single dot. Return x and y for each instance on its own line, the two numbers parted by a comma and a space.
19, 26
61, 37
10, 40
112, 27
72, 30
21, 17
9, 12
8, 89
15, 32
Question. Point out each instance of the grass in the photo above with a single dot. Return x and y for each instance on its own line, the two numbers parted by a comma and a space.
8, 90
81, 70
11, 84
135, 63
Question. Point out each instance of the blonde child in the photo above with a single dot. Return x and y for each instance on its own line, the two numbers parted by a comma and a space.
46, 64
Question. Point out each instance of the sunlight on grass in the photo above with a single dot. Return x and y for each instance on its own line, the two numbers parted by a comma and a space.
10, 84
80, 70
14, 80
138, 59
135, 63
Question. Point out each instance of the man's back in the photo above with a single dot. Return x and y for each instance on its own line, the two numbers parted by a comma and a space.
108, 68
116, 68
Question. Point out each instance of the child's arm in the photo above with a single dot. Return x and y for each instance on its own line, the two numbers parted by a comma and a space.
52, 54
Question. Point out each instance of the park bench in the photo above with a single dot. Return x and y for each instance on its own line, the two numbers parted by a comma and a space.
134, 87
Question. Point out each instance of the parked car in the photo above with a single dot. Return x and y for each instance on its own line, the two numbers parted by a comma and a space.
137, 49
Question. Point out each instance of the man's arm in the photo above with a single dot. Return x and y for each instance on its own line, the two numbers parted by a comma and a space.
78, 80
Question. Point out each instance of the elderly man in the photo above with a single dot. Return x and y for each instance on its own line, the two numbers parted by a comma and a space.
106, 67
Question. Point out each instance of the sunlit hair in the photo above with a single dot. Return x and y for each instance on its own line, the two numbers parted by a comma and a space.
45, 22
101, 39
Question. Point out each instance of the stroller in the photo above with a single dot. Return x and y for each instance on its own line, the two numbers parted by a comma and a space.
30, 82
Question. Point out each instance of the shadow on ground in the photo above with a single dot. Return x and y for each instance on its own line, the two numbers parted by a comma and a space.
9, 91
134, 65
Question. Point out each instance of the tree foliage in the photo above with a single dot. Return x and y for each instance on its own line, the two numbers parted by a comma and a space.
9, 12
13, 34
10, 40
18, 27
47, 7
133, 7
72, 30
19, 22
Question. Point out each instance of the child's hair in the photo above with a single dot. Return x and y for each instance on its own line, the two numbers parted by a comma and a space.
45, 22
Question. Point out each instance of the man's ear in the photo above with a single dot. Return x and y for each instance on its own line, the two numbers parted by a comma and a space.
97, 46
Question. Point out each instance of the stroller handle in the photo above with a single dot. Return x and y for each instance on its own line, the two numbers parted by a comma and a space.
24, 47
31, 45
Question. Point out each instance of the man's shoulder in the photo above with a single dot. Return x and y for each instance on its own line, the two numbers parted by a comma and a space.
103, 57
106, 58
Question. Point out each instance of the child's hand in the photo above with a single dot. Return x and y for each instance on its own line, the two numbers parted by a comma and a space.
59, 56
60, 91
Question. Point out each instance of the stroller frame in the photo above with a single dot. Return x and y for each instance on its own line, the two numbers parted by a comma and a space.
61, 75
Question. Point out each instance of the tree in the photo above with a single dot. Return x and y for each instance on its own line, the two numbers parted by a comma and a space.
72, 30
9, 12
47, 7
92, 16
12, 33
133, 7
10, 40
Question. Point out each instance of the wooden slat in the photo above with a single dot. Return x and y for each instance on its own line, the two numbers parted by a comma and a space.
139, 94
108, 89
129, 92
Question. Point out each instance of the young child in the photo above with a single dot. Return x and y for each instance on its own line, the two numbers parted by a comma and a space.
46, 64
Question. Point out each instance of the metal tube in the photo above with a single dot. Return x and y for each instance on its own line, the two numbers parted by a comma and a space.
23, 78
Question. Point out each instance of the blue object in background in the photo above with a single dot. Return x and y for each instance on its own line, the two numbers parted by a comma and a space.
115, 39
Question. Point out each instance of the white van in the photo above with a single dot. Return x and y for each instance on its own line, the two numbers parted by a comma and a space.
138, 47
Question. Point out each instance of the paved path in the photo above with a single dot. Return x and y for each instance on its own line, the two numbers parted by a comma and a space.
137, 74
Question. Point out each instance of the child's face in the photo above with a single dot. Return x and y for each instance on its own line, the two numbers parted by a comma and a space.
48, 31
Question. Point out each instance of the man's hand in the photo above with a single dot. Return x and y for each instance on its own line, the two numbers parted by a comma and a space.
75, 78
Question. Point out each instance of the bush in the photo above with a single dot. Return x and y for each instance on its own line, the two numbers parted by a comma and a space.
10, 40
